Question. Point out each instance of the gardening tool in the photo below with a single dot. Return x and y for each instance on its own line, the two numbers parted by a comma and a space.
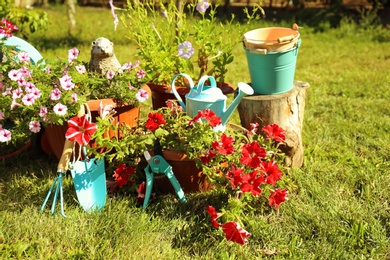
210, 97
61, 169
157, 164
89, 179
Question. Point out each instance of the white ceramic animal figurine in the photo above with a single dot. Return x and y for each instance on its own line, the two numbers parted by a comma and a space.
103, 58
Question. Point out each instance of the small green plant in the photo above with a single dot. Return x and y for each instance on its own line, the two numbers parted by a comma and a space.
188, 39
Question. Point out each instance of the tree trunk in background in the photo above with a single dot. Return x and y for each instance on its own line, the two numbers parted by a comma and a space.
71, 13
284, 109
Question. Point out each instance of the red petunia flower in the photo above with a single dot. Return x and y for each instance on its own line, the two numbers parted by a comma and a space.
154, 121
213, 119
275, 132
251, 183
214, 215
122, 174
206, 158
235, 176
252, 154
277, 196
272, 172
225, 146
234, 232
208, 115
80, 130
253, 128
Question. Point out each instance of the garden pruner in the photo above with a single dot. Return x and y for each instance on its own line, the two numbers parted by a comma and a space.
157, 164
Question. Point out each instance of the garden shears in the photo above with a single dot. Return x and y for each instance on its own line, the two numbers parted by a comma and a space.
157, 164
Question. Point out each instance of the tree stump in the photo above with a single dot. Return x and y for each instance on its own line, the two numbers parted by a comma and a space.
284, 109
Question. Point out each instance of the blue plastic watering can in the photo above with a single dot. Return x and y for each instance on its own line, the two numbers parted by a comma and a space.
210, 97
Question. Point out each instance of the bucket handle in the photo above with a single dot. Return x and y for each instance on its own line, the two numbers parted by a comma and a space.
258, 51
287, 38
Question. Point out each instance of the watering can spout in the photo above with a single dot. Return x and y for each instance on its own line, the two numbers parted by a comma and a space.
243, 90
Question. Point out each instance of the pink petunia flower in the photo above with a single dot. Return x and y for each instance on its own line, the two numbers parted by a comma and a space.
29, 87
60, 109
55, 94
14, 75
5, 135
17, 93
142, 95
81, 69
110, 74
73, 54
24, 57
126, 66
141, 74
28, 99
66, 82
42, 111
34, 126
74, 97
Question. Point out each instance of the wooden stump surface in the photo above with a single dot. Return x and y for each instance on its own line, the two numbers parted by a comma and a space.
286, 110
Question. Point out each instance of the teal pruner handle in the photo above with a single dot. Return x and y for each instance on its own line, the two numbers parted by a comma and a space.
149, 185
176, 185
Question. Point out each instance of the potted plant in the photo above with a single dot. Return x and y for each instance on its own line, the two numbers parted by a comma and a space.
238, 161
187, 39
48, 93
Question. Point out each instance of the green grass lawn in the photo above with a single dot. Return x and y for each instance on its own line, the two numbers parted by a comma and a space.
339, 201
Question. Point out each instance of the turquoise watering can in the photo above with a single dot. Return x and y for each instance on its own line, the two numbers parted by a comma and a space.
210, 97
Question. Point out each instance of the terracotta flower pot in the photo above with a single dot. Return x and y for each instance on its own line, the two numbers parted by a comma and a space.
191, 178
55, 134
16, 151
162, 93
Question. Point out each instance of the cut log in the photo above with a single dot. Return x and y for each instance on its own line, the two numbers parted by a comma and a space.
284, 109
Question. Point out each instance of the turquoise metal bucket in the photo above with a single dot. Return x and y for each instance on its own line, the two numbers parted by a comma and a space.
272, 72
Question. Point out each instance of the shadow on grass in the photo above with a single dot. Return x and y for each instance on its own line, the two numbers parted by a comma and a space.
53, 43
25, 184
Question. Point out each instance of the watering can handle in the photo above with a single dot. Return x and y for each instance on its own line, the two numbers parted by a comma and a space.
203, 79
174, 88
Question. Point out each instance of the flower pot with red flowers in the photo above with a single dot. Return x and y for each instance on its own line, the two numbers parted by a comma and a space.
241, 162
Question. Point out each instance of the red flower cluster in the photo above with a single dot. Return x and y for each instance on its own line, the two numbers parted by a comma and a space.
154, 121
6, 27
122, 174
255, 169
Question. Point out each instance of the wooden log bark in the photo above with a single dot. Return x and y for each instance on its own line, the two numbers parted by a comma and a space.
286, 110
